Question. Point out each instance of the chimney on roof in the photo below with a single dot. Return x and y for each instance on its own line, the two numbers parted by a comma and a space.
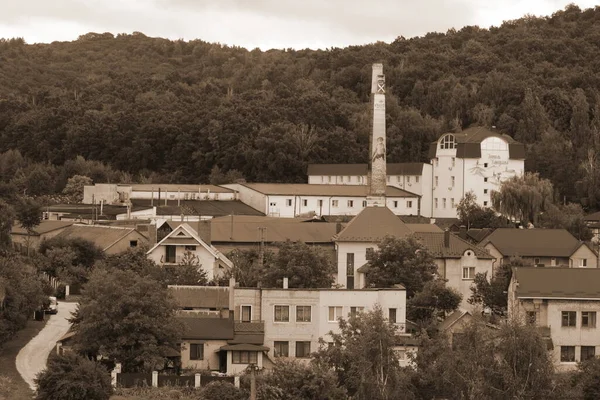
462, 232
447, 238
204, 231
152, 233
231, 293
285, 282
338, 227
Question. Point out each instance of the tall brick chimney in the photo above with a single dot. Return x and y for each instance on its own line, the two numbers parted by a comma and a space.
204, 231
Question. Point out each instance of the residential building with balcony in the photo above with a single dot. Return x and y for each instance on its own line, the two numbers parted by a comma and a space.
564, 303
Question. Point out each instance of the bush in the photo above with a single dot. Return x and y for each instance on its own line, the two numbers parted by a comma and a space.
222, 391
72, 377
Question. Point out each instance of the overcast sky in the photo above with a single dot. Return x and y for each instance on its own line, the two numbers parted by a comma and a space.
262, 23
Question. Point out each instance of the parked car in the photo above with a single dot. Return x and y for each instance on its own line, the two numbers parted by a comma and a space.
51, 306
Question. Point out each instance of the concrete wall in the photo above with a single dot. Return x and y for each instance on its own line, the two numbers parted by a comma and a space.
250, 197
211, 355
94, 194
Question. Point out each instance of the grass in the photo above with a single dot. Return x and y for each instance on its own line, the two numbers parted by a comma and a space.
12, 386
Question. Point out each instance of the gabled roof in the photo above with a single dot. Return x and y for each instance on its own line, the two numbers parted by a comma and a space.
435, 244
453, 319
595, 217
200, 296
44, 227
304, 189
186, 235
206, 328
479, 234
424, 228
533, 242
557, 282
361, 169
102, 236
215, 208
373, 224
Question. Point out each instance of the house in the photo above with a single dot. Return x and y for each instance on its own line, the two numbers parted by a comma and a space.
457, 260
187, 245
45, 230
414, 177
540, 247
111, 239
293, 200
563, 303
477, 159
593, 222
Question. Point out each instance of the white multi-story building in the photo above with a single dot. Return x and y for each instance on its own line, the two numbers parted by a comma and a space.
476, 159
564, 304
292, 200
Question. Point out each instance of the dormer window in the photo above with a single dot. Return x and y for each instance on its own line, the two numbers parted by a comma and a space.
447, 142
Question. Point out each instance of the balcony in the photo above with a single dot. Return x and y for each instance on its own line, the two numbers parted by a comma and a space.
249, 327
252, 332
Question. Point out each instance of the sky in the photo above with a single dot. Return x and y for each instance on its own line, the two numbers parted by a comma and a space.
264, 24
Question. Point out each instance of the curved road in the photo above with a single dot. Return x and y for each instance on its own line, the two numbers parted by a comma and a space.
32, 358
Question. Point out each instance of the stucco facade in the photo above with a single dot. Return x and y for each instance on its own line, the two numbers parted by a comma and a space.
210, 361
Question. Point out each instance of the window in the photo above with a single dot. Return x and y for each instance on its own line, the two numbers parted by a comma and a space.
304, 203
444, 202
553, 262
190, 248
587, 352
288, 202
453, 180
320, 203
468, 272
531, 317
567, 353
494, 143
244, 357
364, 203
437, 181
485, 179
282, 314
302, 349
398, 179
281, 349
369, 253
453, 162
536, 261
437, 162
334, 203
401, 354
435, 201
349, 178
335, 313
485, 191
582, 262
588, 319
272, 204
196, 351
303, 314
485, 203
447, 142
350, 203
417, 179
246, 313
395, 203
485, 165
329, 179
392, 315
356, 310
569, 318
452, 203
133, 243
408, 203
407, 179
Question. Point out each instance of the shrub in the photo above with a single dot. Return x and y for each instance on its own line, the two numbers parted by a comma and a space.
72, 377
222, 391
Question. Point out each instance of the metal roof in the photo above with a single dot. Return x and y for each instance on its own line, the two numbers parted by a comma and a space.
304, 189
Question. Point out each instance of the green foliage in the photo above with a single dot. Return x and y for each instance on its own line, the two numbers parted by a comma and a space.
587, 378
7, 218
222, 391
134, 260
305, 266
83, 251
472, 215
401, 261
29, 213
569, 217
247, 270
492, 293
21, 293
217, 177
72, 377
435, 300
126, 318
362, 356
75, 186
187, 272
523, 198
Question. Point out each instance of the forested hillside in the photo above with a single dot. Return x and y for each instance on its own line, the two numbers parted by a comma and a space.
178, 108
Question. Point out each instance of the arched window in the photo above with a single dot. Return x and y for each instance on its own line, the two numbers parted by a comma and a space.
494, 143
447, 142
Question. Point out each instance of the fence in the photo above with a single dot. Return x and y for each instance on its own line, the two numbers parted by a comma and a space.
154, 379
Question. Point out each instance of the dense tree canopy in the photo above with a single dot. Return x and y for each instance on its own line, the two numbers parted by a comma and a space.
116, 108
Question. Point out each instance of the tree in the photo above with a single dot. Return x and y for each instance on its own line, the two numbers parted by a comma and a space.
293, 380
362, 355
587, 378
523, 198
126, 318
305, 266
434, 301
75, 186
534, 120
7, 218
64, 252
29, 215
247, 269
72, 377
218, 177
401, 261
472, 215
569, 217
187, 272
135, 260
492, 293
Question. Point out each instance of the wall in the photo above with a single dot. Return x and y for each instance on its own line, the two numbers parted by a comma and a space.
238, 369
106, 192
123, 243
247, 297
204, 257
250, 197
211, 355
585, 252
360, 258
174, 195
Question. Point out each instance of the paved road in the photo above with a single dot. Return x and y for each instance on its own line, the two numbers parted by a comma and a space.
32, 358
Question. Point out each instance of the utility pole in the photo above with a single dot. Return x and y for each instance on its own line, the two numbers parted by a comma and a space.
252, 368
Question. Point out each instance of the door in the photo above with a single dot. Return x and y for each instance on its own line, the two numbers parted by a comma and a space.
170, 254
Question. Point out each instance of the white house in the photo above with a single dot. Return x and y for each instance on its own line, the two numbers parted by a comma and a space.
476, 159
292, 200
457, 260
184, 244
413, 177
564, 304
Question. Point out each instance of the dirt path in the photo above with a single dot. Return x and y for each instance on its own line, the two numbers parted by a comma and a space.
32, 358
